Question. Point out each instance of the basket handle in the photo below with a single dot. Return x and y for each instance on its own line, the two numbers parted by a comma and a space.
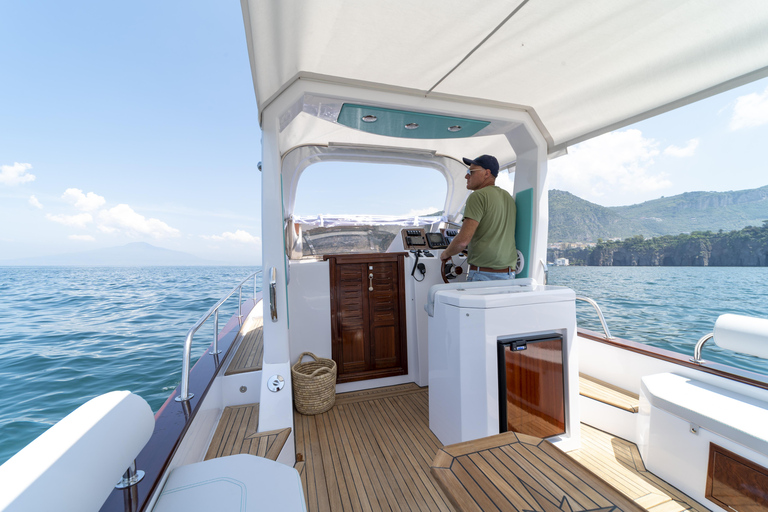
307, 354
319, 370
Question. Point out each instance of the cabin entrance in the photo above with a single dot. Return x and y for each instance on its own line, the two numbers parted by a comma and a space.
368, 331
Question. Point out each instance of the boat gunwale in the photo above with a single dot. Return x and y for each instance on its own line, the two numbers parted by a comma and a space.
172, 423
718, 369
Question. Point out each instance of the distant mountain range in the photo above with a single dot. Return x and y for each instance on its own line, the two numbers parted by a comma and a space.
137, 254
572, 219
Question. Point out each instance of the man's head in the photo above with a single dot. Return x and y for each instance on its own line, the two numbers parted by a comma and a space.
482, 171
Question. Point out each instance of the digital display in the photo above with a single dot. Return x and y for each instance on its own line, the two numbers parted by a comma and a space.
436, 240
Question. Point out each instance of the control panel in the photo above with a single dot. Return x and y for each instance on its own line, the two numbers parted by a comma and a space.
450, 234
417, 238
414, 239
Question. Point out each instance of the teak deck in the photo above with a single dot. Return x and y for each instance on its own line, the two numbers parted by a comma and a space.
250, 354
374, 449
370, 452
236, 434
618, 462
517, 472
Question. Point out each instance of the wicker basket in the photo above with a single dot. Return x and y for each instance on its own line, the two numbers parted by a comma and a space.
314, 384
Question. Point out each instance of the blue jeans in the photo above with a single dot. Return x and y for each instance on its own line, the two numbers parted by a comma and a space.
477, 275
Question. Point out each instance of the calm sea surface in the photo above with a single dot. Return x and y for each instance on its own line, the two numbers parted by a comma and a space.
68, 334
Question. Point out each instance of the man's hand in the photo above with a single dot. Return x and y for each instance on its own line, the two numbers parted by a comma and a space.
461, 241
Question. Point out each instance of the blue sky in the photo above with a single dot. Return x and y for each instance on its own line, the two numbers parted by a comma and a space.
137, 121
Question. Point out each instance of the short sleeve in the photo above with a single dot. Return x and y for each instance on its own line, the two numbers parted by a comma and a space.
475, 207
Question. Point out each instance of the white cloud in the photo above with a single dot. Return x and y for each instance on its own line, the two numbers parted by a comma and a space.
34, 202
688, 150
612, 168
82, 238
238, 236
80, 220
15, 174
122, 217
750, 110
85, 202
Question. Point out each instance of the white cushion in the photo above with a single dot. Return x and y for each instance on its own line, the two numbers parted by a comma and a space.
75, 464
744, 334
732, 415
239, 483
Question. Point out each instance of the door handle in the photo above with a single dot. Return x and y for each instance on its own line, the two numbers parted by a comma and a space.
273, 293
370, 282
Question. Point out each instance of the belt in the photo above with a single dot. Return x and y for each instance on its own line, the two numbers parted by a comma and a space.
487, 269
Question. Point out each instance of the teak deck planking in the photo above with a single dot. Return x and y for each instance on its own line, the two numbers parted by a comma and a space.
618, 462
236, 434
250, 354
512, 471
373, 450
370, 452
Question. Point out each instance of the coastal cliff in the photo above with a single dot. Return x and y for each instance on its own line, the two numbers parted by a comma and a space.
747, 247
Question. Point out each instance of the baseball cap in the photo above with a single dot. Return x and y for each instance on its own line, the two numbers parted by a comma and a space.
486, 162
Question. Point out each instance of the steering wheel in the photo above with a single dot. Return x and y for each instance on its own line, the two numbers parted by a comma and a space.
449, 270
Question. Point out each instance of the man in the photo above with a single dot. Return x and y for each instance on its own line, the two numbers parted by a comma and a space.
489, 224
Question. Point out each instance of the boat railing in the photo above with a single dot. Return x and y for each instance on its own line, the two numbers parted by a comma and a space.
599, 314
184, 394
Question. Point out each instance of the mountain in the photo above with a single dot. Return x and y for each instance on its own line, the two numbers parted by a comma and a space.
137, 254
572, 219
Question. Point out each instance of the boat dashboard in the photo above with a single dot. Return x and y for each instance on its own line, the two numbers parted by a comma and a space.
420, 239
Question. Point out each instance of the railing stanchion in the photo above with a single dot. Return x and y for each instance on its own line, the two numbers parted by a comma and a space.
216, 350
184, 394
599, 314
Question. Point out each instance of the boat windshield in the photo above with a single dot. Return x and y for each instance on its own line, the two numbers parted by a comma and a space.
344, 207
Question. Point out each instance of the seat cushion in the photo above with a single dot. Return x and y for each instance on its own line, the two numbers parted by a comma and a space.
236, 483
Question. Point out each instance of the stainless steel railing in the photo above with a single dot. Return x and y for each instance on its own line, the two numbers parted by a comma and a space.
599, 314
185, 395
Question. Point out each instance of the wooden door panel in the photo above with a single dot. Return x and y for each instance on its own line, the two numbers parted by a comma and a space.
385, 343
369, 335
352, 352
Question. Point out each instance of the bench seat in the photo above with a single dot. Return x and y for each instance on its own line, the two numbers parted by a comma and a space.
732, 415
602, 391
237, 483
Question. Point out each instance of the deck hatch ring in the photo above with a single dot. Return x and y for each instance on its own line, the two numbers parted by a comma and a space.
370, 118
275, 383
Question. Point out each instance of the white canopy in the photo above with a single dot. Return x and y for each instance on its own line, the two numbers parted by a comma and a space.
579, 68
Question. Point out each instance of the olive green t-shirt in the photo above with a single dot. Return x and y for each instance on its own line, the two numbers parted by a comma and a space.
493, 244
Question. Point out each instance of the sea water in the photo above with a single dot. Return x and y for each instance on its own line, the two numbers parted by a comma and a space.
68, 334
669, 307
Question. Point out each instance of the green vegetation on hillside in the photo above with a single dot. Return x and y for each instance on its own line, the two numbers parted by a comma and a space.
575, 220
744, 247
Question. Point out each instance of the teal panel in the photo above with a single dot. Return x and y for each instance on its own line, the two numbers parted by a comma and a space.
524, 228
392, 123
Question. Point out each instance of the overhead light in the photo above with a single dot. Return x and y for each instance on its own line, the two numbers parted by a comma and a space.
454, 128
370, 118
411, 126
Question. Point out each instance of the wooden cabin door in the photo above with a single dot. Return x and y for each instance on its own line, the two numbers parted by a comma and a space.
368, 315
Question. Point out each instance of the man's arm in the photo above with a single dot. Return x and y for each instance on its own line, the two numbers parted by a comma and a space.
461, 241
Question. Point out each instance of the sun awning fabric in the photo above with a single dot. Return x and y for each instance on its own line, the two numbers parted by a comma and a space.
580, 68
